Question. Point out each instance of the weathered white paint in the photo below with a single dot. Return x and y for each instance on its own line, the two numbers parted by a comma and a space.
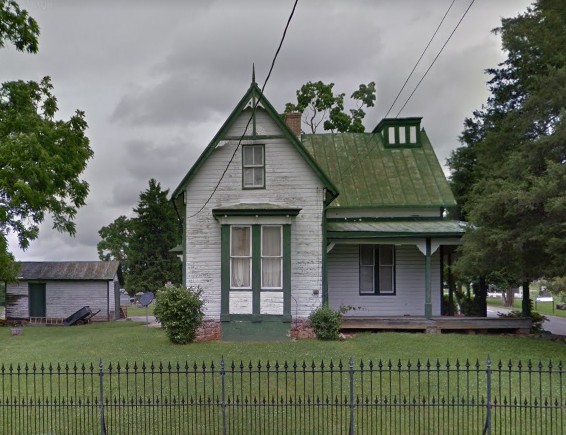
271, 303
241, 302
63, 298
289, 182
343, 284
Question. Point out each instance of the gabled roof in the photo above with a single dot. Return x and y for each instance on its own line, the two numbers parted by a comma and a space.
70, 270
254, 93
368, 174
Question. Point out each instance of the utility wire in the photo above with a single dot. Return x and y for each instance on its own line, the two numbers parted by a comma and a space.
253, 110
434, 60
420, 58
371, 136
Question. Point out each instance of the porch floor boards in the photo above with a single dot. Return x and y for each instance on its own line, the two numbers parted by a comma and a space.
437, 324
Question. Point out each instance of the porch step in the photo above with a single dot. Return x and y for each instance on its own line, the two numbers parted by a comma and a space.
436, 324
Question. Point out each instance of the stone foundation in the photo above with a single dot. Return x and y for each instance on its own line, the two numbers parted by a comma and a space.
301, 329
210, 330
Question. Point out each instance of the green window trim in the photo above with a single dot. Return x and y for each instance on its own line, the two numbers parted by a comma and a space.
376, 266
256, 288
253, 168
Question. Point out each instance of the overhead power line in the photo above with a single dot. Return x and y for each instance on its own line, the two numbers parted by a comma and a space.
253, 110
420, 58
434, 60
370, 137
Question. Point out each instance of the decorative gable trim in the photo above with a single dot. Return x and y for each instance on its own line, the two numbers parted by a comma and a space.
252, 95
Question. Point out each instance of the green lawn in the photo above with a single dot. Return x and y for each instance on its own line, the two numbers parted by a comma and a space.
129, 394
545, 308
134, 310
132, 341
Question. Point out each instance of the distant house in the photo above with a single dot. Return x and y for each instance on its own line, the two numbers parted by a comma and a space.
51, 291
277, 223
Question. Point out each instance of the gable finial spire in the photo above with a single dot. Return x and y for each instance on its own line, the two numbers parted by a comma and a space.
253, 73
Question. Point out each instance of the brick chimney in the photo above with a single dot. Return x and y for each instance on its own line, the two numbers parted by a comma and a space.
293, 121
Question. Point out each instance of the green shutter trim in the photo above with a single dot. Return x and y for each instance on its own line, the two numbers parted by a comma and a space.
225, 269
287, 269
256, 268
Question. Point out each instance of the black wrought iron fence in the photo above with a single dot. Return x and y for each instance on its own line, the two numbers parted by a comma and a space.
411, 397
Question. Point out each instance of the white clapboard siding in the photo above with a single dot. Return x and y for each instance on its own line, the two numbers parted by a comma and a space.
343, 284
17, 302
289, 182
63, 298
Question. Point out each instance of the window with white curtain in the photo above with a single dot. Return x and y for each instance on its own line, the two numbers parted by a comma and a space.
271, 257
240, 257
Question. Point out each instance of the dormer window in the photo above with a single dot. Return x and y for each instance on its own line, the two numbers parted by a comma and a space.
253, 166
400, 132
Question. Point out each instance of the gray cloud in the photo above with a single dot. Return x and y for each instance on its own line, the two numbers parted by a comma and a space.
158, 79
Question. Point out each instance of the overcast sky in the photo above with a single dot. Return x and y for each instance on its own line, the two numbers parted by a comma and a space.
158, 78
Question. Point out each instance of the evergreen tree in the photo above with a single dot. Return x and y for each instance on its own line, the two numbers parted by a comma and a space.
513, 154
142, 243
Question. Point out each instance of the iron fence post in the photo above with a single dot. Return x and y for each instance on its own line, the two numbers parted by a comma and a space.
102, 422
351, 395
487, 427
223, 376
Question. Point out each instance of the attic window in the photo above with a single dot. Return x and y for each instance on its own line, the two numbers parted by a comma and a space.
253, 166
413, 134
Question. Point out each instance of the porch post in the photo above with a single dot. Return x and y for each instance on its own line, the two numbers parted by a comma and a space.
428, 290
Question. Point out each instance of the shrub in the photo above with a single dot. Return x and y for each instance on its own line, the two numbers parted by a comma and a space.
537, 319
326, 323
179, 310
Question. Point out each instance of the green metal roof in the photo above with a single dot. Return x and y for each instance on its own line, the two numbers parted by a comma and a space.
396, 228
367, 174
259, 209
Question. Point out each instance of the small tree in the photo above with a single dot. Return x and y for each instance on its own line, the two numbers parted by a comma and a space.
179, 310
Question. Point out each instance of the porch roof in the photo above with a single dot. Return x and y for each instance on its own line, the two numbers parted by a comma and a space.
396, 228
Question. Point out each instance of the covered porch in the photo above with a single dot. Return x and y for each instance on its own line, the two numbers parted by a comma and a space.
389, 268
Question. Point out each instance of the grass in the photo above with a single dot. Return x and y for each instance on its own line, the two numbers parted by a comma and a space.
127, 341
132, 341
134, 310
545, 308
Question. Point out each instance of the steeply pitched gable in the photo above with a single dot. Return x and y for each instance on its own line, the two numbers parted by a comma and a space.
252, 96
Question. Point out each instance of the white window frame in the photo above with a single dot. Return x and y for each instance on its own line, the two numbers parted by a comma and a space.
272, 256
253, 166
240, 256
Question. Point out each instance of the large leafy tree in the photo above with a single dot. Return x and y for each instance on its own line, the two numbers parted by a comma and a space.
17, 27
320, 105
41, 158
514, 155
142, 243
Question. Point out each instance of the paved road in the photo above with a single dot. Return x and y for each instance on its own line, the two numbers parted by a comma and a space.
554, 324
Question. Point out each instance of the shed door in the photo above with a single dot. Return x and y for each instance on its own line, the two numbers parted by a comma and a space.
37, 300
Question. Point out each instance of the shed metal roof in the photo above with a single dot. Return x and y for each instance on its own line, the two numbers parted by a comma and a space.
367, 174
70, 270
397, 228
